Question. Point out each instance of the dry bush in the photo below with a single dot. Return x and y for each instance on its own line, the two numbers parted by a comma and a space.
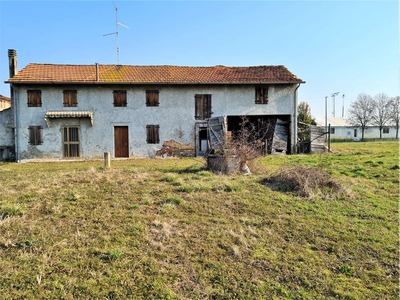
306, 182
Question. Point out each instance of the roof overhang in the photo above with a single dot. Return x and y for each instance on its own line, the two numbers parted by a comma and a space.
144, 83
68, 114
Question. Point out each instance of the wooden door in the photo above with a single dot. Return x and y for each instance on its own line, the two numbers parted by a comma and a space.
121, 141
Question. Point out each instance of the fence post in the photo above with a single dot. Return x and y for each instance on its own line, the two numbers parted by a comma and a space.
107, 159
329, 138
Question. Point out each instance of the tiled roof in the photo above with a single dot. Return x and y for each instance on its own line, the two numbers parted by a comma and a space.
334, 121
51, 73
4, 98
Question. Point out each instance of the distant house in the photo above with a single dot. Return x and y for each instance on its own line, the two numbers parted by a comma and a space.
81, 111
342, 129
5, 102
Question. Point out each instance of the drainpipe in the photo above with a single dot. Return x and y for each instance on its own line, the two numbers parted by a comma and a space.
295, 119
16, 115
13, 70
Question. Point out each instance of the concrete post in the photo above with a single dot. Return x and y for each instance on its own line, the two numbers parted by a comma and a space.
107, 159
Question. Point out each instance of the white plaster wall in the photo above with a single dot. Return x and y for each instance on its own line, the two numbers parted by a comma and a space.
370, 132
175, 115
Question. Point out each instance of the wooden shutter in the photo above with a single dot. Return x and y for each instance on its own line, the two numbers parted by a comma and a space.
34, 98
261, 95
35, 135
207, 108
152, 132
70, 98
202, 106
120, 98
152, 98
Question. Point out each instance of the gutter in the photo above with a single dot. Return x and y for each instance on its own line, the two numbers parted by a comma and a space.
144, 83
295, 119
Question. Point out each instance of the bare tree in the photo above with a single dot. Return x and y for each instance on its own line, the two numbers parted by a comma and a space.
382, 113
361, 112
395, 113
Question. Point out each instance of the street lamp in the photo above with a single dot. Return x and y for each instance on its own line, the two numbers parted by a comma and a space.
343, 107
333, 97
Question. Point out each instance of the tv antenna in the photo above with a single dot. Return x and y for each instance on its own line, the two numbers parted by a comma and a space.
116, 32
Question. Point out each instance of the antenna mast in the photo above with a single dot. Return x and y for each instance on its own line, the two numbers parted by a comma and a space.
116, 32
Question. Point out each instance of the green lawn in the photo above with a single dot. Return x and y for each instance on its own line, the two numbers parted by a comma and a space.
169, 229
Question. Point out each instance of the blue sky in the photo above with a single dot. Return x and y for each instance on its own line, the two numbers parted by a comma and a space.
349, 47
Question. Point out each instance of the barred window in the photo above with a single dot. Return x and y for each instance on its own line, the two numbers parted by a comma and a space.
152, 98
34, 98
35, 135
70, 98
71, 141
120, 98
153, 135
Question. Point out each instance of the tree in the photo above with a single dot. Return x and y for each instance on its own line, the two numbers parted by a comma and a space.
304, 114
395, 113
304, 119
361, 112
382, 113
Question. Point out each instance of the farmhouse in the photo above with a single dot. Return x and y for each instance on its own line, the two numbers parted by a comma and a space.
81, 111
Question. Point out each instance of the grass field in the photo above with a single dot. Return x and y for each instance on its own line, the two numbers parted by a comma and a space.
169, 229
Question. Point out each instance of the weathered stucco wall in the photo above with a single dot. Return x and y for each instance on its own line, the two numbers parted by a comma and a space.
175, 115
6, 135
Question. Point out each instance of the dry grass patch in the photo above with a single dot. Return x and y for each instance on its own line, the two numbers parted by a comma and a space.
308, 182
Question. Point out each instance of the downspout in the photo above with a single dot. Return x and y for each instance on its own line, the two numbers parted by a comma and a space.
295, 120
16, 116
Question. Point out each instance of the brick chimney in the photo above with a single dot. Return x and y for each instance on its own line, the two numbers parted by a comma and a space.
12, 62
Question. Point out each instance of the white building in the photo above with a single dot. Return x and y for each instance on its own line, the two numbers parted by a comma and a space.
81, 111
342, 129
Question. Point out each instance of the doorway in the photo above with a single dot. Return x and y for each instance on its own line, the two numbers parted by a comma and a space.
121, 141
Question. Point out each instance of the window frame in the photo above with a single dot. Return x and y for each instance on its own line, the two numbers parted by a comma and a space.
203, 106
120, 98
261, 94
385, 130
34, 98
153, 134
35, 135
70, 98
66, 142
152, 98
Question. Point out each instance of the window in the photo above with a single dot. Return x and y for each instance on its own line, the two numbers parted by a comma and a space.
34, 98
261, 94
71, 141
35, 135
120, 99
385, 130
202, 106
152, 98
355, 132
332, 130
70, 98
152, 132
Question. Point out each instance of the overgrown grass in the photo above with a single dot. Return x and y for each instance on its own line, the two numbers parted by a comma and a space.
169, 229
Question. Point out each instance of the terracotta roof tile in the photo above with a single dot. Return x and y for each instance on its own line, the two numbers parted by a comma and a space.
4, 98
51, 73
